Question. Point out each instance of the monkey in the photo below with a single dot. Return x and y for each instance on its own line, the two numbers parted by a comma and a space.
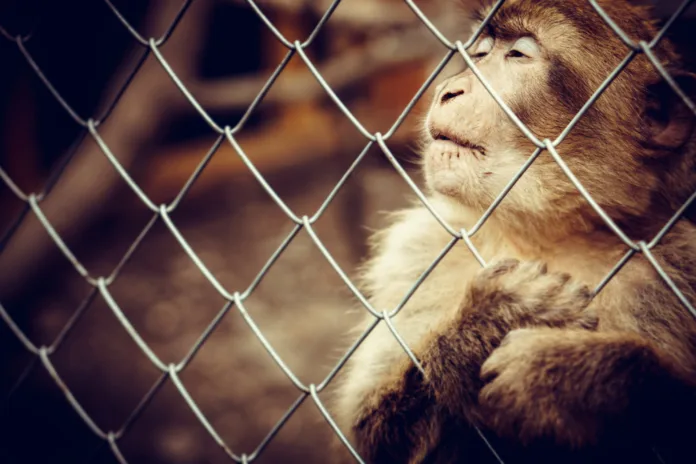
523, 349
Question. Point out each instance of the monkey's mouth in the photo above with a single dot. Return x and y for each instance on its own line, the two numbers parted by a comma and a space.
476, 149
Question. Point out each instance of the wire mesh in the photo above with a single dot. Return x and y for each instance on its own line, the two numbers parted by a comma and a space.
235, 298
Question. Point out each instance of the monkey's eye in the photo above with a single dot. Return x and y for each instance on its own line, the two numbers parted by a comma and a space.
516, 54
526, 47
483, 48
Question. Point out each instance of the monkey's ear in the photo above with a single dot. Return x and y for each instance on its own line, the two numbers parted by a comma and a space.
671, 122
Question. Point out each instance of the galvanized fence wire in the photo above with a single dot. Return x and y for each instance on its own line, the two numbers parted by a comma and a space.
236, 298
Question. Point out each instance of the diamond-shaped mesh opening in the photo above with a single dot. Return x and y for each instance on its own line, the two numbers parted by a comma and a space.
237, 299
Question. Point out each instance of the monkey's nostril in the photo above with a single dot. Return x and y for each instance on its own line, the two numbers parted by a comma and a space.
451, 95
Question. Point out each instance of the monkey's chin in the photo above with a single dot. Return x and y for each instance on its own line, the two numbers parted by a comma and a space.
446, 183
451, 169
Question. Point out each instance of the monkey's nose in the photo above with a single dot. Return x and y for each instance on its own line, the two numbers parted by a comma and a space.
450, 95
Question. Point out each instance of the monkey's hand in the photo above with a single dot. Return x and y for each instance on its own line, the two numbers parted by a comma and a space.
502, 297
398, 420
512, 295
570, 387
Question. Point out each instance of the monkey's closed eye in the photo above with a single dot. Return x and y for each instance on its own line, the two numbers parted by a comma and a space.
483, 48
516, 54
525, 47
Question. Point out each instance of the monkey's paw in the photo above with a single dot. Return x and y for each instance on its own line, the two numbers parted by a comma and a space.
541, 384
526, 294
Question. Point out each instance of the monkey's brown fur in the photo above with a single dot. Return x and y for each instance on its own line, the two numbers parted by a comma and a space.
520, 348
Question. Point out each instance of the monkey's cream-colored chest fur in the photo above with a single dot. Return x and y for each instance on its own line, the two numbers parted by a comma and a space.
407, 250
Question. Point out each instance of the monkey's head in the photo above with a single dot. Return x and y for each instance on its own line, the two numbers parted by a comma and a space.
632, 149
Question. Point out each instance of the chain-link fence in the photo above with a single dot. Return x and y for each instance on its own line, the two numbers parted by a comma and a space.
236, 297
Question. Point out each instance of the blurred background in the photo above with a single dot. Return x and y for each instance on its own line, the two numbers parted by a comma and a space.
375, 54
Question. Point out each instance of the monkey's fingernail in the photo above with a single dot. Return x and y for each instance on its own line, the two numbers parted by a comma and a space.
586, 293
503, 266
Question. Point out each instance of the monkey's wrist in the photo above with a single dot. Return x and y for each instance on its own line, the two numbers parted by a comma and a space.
491, 322
453, 361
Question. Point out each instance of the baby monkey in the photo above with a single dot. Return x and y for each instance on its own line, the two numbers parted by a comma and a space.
522, 349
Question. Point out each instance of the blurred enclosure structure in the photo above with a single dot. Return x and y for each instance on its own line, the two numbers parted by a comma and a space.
80, 81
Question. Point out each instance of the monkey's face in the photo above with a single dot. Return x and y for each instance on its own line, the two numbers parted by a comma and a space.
526, 54
474, 148
545, 59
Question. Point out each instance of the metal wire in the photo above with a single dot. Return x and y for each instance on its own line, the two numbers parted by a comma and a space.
171, 372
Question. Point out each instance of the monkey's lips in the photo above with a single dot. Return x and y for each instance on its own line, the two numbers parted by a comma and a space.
452, 167
458, 141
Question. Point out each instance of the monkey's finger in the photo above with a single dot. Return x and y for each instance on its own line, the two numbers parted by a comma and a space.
497, 362
571, 300
488, 374
499, 268
494, 396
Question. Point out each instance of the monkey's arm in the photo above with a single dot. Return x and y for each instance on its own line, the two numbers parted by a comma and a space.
399, 421
573, 387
